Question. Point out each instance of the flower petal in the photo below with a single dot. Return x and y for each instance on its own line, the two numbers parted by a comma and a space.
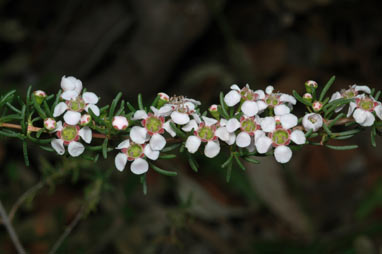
120, 161
165, 110
180, 118
269, 89
352, 106
378, 111
283, 154
261, 106
315, 124
209, 121
139, 166
138, 135
69, 95
243, 139
288, 98
193, 144
235, 87
268, 124
282, 109
222, 133
139, 115
249, 108
260, 93
231, 140
151, 154
335, 96
191, 125
169, 129
370, 119
359, 115
157, 142
212, 149
68, 83
124, 144
75, 149
298, 137
263, 144
86, 134
72, 117
364, 89
90, 97
59, 109
58, 146
232, 98
94, 108
232, 125
288, 121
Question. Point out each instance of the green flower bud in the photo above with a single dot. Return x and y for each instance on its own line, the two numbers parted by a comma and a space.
310, 86
214, 111
40, 96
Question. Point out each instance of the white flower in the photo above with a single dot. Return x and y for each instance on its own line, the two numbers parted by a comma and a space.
250, 130
71, 84
120, 123
362, 110
180, 109
312, 121
280, 102
352, 92
74, 103
134, 152
279, 136
208, 131
153, 127
68, 135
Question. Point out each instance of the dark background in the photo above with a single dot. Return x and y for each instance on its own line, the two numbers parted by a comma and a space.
323, 201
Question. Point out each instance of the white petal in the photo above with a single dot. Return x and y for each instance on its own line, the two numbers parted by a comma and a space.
263, 144
90, 97
282, 109
233, 124
352, 106
197, 118
139, 115
364, 89
249, 108
222, 133
232, 139
68, 83
261, 105
269, 89
223, 122
288, 121
378, 111
138, 135
154, 110
157, 142
189, 105
191, 125
212, 149
60, 109
232, 98
72, 117
308, 125
180, 118
59, 126
359, 115
69, 95
235, 87
209, 121
151, 154
259, 134
165, 110
193, 144
120, 161
369, 121
94, 108
335, 96
86, 134
268, 124
139, 166
58, 146
75, 149
168, 128
288, 98
243, 139
260, 93
298, 137
124, 144
283, 154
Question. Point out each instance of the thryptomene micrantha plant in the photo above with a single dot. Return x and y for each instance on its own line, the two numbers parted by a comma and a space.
244, 125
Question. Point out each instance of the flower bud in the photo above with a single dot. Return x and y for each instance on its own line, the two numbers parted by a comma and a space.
317, 106
214, 111
85, 120
308, 97
163, 99
40, 96
50, 124
312, 121
120, 123
310, 86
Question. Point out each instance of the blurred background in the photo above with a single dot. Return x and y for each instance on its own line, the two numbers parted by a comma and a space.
323, 201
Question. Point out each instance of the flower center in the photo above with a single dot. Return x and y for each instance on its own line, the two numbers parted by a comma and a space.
313, 119
366, 104
77, 104
350, 93
134, 151
69, 133
206, 133
248, 94
153, 124
280, 137
272, 100
248, 125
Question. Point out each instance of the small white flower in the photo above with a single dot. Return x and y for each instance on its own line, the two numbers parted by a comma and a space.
71, 84
50, 124
135, 153
279, 136
120, 123
250, 130
68, 135
208, 131
180, 109
352, 92
281, 103
362, 110
312, 121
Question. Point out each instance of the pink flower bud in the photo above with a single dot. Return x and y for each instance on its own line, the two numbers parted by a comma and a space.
120, 123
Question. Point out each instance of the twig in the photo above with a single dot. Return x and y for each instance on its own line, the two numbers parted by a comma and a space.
68, 230
11, 231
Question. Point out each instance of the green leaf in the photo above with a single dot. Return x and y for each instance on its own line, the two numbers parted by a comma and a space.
333, 122
228, 161
241, 165
251, 160
223, 106
162, 171
140, 103
170, 148
300, 99
155, 101
121, 108
178, 132
8, 97
167, 156
192, 162
326, 87
25, 153
130, 107
144, 184
229, 171
114, 105
96, 118
377, 95
373, 133
104, 148
38, 108
14, 109
327, 130
342, 148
